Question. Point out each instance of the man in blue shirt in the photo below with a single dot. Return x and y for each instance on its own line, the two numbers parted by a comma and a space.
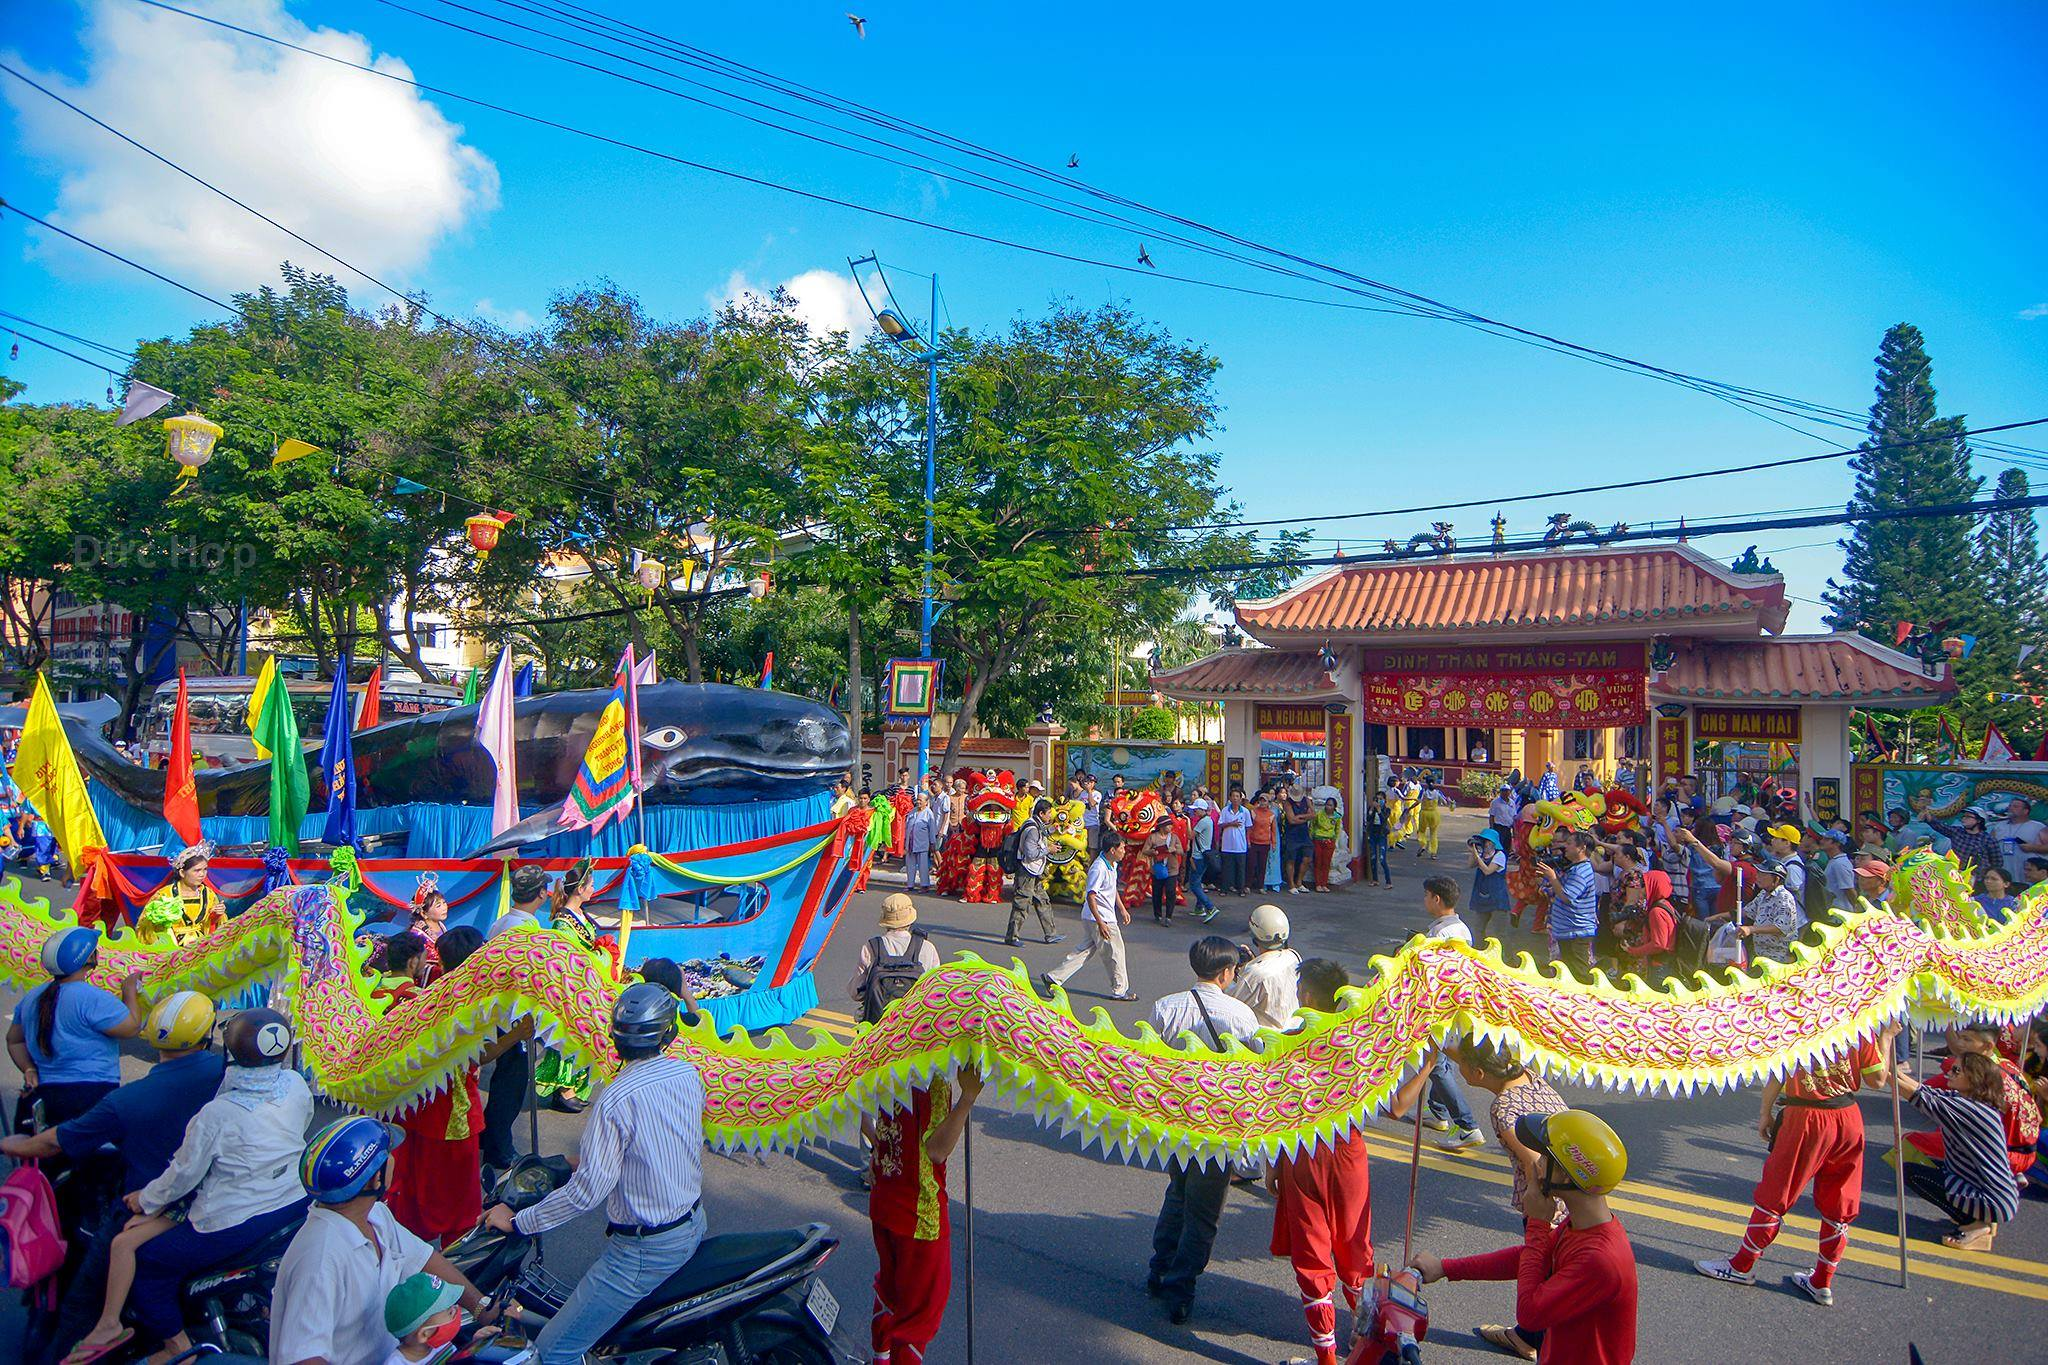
144, 1122
1574, 903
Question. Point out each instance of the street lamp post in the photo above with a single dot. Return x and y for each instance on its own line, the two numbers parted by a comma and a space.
926, 349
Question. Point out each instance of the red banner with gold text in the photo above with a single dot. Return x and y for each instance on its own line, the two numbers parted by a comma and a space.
1568, 701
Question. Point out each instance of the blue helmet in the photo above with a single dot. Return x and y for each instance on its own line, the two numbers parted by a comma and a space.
345, 1156
65, 951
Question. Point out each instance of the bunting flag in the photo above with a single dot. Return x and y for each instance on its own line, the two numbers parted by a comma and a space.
260, 693
469, 688
522, 681
401, 486
1969, 643
494, 736
141, 400
1995, 749
181, 792
292, 449
643, 672
1900, 631
1875, 741
338, 765
1946, 743
2025, 650
768, 672
368, 716
277, 732
47, 773
607, 782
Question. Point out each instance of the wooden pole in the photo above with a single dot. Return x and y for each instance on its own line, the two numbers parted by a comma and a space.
1414, 1171
1899, 1173
967, 1155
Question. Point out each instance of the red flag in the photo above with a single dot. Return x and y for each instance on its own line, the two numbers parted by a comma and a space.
2041, 753
1900, 631
181, 794
373, 700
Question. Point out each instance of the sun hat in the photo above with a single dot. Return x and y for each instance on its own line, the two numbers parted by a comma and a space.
898, 911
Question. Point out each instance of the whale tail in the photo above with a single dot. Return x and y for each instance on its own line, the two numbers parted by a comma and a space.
540, 825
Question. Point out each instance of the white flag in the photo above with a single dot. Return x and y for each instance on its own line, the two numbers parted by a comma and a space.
494, 734
141, 401
2025, 650
643, 672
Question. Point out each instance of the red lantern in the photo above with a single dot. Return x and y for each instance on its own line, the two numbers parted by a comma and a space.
1954, 646
483, 530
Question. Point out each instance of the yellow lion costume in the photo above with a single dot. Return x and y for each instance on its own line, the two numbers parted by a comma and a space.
1066, 856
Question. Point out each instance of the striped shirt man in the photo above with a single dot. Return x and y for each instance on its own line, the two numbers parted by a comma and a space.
642, 1152
1974, 1168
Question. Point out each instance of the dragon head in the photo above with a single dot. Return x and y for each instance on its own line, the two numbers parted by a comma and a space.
1136, 813
992, 796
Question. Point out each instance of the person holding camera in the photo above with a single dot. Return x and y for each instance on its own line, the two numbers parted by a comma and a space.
1489, 862
1266, 980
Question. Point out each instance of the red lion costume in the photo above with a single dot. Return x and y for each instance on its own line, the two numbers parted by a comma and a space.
1136, 815
991, 798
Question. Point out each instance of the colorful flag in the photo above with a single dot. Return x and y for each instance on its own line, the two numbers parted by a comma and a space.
522, 681
338, 765
48, 775
494, 735
1969, 643
402, 485
1946, 742
1900, 630
265, 680
608, 781
369, 717
768, 672
469, 688
292, 449
1874, 742
2025, 650
277, 732
1995, 750
181, 792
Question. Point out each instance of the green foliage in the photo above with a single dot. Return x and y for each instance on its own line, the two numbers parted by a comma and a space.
1152, 722
1479, 784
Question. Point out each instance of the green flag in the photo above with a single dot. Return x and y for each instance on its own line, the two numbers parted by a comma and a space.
469, 688
277, 730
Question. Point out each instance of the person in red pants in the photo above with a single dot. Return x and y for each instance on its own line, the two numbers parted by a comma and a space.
913, 1232
1576, 1283
1817, 1139
1322, 1210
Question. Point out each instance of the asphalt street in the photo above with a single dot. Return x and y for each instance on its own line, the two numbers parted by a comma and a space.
1060, 1238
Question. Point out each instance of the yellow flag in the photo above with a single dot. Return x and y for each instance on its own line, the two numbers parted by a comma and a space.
48, 776
292, 449
264, 682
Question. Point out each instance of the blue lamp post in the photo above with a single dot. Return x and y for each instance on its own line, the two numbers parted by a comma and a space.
924, 351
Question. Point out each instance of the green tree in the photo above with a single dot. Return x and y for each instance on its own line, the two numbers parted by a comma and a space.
1922, 570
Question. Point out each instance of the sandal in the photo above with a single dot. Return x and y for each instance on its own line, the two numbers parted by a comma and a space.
82, 1354
1506, 1339
1971, 1237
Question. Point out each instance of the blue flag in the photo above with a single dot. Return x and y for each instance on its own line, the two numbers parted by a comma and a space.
522, 680
338, 764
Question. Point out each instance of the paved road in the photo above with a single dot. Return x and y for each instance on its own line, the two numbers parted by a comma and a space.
1061, 1237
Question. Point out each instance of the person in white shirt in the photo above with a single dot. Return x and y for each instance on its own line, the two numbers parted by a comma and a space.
1477, 753
1186, 1230
1103, 914
642, 1157
328, 1306
239, 1163
1448, 1110
2019, 834
1268, 983
1233, 826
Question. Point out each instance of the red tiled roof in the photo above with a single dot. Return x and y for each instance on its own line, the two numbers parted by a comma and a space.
1546, 590
1247, 673
1843, 667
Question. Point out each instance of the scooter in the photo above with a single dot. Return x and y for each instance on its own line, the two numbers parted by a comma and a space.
743, 1299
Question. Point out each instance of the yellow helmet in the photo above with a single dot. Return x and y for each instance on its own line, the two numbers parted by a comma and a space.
179, 1023
1580, 1145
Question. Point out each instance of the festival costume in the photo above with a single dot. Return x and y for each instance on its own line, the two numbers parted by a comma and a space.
436, 1192
913, 1231
1322, 1223
859, 818
954, 856
176, 917
881, 833
1819, 1140
1577, 1287
1137, 814
900, 803
1428, 822
1066, 852
991, 801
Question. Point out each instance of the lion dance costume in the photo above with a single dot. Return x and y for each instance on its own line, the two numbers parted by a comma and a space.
1137, 814
1066, 852
991, 800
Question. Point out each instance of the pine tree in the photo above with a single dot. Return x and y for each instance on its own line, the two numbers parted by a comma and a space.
1923, 570
2009, 555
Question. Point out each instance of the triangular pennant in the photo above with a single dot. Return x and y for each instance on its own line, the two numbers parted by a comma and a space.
142, 400
292, 449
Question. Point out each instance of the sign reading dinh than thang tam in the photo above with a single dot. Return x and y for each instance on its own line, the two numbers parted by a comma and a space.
1571, 686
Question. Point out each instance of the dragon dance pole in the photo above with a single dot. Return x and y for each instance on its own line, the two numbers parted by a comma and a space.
1899, 1167
967, 1155
1414, 1169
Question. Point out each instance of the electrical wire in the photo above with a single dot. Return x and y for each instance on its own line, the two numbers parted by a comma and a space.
51, 346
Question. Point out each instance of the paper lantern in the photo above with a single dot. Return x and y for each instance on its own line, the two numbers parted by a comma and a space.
189, 440
651, 574
1953, 645
483, 530
759, 586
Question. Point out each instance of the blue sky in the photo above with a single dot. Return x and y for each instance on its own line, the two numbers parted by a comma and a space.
1753, 194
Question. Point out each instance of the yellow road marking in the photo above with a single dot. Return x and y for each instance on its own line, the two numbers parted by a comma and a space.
821, 1022
1884, 1252
834, 1015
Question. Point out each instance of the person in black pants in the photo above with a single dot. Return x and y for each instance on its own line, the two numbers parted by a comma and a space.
512, 1077
1186, 1231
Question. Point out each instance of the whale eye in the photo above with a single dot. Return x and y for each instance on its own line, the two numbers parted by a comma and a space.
667, 737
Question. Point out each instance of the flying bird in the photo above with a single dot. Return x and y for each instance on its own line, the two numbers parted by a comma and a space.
1074, 161
1145, 257
860, 25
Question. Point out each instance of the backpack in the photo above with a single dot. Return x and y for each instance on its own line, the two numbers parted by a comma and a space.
890, 978
1006, 856
31, 1236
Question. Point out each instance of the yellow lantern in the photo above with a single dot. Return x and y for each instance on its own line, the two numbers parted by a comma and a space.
651, 574
759, 587
189, 440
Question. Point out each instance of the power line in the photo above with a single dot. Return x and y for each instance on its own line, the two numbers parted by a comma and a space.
113, 351
49, 346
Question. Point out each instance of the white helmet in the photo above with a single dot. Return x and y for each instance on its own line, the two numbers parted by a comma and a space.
1269, 926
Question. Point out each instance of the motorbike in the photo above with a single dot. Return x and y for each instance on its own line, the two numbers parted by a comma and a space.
743, 1298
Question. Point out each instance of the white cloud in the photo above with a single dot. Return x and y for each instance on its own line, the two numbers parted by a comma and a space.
827, 300
511, 319
362, 165
2036, 313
